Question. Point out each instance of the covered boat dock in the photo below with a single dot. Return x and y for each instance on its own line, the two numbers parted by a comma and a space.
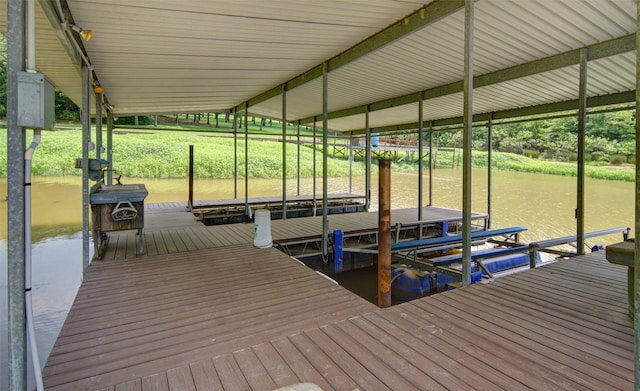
360, 68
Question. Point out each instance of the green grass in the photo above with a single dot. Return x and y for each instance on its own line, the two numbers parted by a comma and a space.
165, 154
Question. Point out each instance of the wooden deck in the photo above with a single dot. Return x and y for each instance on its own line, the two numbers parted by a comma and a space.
131, 318
206, 314
170, 229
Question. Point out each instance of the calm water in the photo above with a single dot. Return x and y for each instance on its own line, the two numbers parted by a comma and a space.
544, 204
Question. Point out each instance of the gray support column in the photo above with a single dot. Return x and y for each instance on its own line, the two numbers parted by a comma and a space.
246, 159
367, 158
636, 259
16, 331
582, 120
235, 152
99, 102
489, 166
284, 151
431, 161
110, 147
466, 143
349, 140
298, 158
420, 168
86, 139
325, 161
315, 128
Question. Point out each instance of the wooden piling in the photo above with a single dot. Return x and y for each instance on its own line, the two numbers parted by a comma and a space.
384, 234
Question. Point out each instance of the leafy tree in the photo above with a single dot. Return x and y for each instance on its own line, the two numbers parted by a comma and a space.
66, 110
142, 120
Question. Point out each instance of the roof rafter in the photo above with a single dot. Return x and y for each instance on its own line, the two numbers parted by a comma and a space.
595, 101
596, 51
418, 19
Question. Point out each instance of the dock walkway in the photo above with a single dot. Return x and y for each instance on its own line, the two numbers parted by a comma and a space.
238, 318
170, 229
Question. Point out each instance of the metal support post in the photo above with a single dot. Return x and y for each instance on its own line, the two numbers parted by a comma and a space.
86, 139
235, 152
298, 158
489, 167
420, 168
384, 233
190, 201
636, 259
466, 143
582, 120
367, 157
325, 161
284, 151
247, 211
315, 128
431, 165
350, 164
110, 147
16, 316
99, 103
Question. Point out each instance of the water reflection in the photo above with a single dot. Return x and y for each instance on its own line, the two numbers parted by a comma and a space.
56, 277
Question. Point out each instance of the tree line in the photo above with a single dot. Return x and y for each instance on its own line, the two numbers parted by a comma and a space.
609, 138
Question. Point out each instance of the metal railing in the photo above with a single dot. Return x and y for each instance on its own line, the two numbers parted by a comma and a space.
545, 245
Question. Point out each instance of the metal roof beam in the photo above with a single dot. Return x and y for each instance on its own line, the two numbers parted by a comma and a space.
599, 50
418, 19
596, 101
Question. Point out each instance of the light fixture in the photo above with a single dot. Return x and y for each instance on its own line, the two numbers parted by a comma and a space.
85, 34
98, 89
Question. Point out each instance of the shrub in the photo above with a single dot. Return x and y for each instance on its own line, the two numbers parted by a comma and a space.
599, 156
142, 120
617, 160
531, 153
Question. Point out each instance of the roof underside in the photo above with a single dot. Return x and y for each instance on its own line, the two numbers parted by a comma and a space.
161, 56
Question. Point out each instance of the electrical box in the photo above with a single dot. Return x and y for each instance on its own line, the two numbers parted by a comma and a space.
36, 101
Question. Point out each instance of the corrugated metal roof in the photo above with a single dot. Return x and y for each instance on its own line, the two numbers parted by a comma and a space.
166, 56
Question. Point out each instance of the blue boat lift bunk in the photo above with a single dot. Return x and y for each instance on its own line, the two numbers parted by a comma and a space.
437, 222
427, 266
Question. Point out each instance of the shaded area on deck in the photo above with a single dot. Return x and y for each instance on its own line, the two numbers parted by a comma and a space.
240, 318
163, 311
206, 310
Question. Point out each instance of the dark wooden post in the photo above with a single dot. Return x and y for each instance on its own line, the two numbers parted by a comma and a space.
190, 205
384, 234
